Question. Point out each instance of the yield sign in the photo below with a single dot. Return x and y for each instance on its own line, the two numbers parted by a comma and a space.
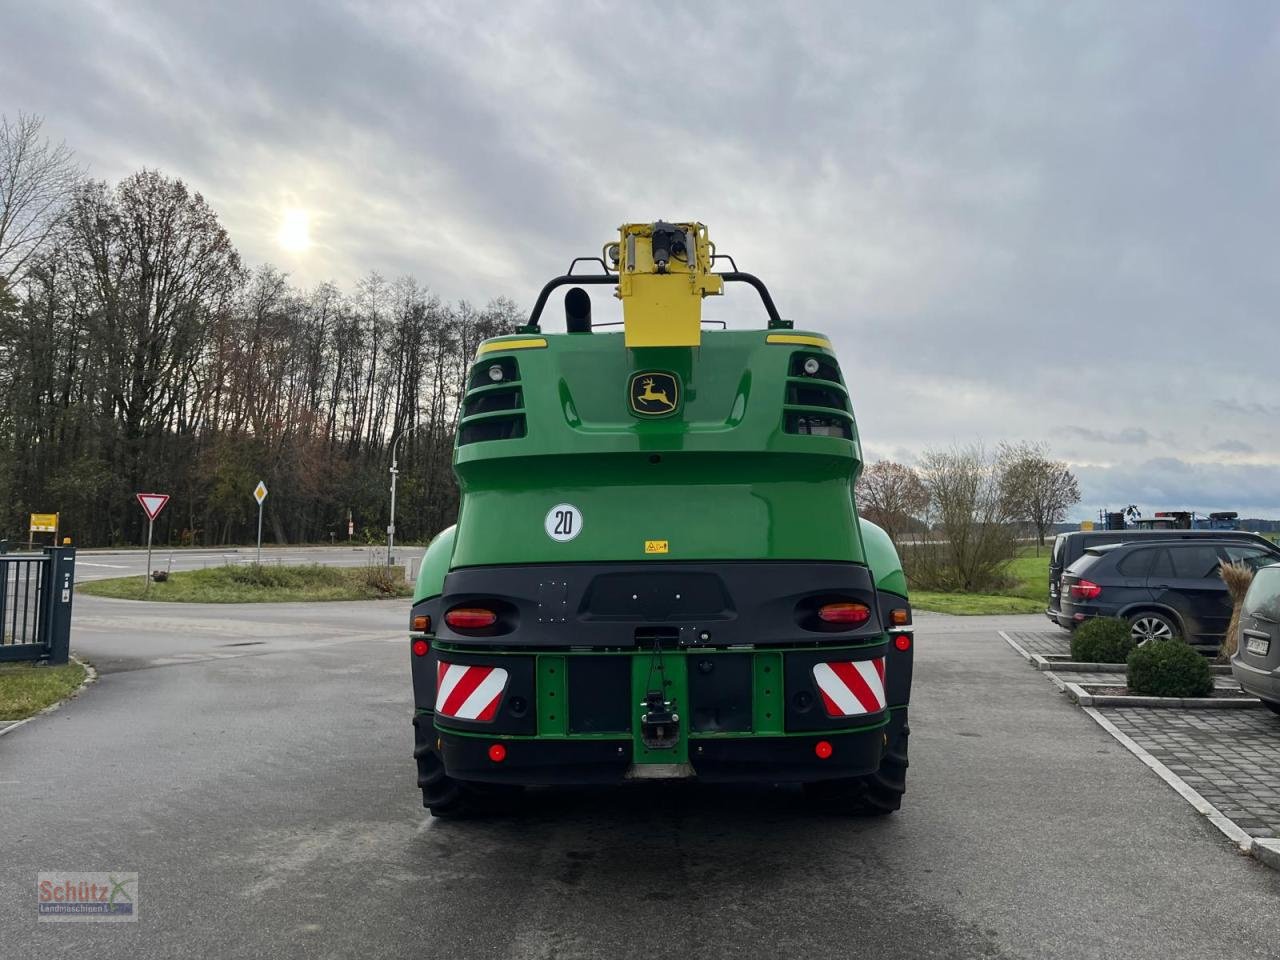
260, 492
153, 503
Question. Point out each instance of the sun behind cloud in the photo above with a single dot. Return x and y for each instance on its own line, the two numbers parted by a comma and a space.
294, 234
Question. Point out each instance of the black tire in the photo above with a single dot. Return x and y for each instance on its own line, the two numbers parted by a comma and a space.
1271, 705
1148, 625
451, 799
877, 794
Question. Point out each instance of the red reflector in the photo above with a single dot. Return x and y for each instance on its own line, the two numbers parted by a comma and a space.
1085, 590
902, 641
470, 618
823, 749
421, 648
853, 613
497, 753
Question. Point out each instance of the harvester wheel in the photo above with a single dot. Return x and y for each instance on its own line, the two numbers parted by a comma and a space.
877, 794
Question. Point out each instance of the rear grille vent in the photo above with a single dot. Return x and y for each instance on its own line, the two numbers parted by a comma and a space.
818, 424
492, 428
491, 401
810, 394
493, 408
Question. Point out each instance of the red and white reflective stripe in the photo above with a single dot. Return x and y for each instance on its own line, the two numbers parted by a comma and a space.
851, 688
469, 693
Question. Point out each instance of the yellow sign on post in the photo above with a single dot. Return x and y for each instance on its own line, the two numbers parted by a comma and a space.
44, 523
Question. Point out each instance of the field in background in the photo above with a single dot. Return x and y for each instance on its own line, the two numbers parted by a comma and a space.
259, 583
1028, 591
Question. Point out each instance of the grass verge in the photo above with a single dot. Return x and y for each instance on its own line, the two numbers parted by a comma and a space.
26, 689
259, 583
1027, 592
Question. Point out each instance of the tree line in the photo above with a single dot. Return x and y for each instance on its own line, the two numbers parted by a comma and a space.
139, 353
958, 516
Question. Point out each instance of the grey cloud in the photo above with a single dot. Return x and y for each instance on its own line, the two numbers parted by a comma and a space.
1129, 436
1233, 446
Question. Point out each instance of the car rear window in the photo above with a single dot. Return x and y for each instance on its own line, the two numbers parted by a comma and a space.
1086, 561
1137, 563
1263, 598
1194, 561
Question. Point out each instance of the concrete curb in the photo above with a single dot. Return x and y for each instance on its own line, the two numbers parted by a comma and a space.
90, 676
1016, 647
1083, 697
1051, 662
1265, 850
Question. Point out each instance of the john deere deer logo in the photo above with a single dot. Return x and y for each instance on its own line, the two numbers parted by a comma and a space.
654, 394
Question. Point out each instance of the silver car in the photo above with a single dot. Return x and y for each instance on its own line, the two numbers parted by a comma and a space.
1256, 665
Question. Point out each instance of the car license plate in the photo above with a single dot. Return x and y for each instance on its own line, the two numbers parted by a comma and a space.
1257, 646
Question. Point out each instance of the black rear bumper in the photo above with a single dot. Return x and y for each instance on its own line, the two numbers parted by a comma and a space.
758, 759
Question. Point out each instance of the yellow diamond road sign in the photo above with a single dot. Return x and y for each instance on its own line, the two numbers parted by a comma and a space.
260, 492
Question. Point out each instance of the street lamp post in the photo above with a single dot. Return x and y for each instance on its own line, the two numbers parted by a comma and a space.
391, 527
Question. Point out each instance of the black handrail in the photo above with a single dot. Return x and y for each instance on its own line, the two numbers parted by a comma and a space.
775, 321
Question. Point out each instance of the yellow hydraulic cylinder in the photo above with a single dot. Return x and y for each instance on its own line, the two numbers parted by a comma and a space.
664, 271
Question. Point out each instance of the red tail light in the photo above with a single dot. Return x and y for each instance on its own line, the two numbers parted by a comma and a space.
846, 613
470, 618
421, 648
497, 752
902, 641
823, 749
1085, 590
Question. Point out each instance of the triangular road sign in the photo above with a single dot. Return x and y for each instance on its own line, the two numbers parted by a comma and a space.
153, 503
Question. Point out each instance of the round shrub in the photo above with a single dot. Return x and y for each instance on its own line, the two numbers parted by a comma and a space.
1169, 668
1101, 640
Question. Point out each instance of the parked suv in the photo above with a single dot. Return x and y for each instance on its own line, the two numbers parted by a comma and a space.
1164, 588
1256, 665
1069, 547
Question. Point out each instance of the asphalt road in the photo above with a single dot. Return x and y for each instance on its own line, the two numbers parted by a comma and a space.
253, 765
101, 564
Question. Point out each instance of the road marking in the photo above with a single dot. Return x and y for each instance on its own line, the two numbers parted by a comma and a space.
113, 566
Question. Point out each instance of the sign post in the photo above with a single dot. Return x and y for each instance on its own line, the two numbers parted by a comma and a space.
152, 504
260, 494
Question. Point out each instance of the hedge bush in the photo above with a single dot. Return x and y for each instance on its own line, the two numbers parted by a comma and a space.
1101, 640
1169, 668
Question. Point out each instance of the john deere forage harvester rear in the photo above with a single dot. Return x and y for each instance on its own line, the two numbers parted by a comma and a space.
657, 569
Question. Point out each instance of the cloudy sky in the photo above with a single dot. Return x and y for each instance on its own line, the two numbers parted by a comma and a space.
1018, 221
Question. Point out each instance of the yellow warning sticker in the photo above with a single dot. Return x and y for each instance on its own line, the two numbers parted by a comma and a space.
655, 546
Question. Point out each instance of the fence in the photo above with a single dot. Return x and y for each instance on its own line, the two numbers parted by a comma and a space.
35, 604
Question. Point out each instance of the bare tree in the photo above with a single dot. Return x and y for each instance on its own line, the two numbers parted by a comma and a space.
37, 179
971, 535
1039, 489
893, 497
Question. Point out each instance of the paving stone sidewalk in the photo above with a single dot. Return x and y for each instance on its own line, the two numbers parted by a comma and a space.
1044, 642
1230, 757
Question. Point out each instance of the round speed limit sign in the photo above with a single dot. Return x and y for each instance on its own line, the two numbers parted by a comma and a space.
563, 523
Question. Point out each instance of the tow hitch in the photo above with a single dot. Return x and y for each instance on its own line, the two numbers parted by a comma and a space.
659, 726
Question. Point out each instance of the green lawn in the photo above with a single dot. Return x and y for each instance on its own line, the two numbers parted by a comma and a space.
254, 583
25, 689
1028, 592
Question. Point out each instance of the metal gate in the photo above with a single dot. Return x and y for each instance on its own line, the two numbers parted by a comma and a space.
35, 604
